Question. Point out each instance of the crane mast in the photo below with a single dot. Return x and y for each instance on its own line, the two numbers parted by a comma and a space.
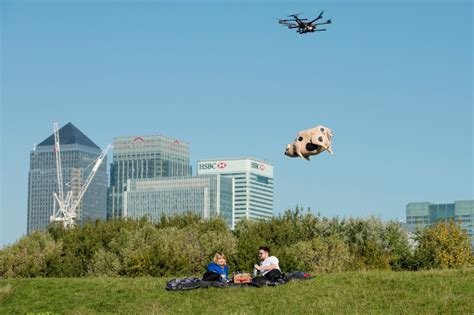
59, 172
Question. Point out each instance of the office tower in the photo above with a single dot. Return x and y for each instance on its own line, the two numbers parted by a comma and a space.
78, 154
144, 157
253, 188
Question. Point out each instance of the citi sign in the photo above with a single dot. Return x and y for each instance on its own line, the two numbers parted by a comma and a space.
212, 166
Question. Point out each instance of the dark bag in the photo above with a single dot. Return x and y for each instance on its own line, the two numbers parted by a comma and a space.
260, 282
274, 275
299, 275
183, 284
272, 278
211, 276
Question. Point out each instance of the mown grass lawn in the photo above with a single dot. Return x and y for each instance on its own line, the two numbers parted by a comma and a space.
428, 292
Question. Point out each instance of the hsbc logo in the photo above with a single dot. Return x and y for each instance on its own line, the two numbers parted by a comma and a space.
207, 166
212, 166
258, 166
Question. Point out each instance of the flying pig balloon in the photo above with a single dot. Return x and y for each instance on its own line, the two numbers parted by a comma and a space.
310, 142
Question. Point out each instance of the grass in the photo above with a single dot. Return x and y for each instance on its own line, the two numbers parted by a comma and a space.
428, 292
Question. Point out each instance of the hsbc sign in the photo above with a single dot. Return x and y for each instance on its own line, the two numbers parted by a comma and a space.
234, 167
212, 166
258, 166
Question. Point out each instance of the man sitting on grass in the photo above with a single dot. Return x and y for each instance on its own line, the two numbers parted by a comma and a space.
269, 268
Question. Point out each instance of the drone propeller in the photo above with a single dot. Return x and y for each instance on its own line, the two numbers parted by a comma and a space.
290, 20
294, 15
320, 16
285, 22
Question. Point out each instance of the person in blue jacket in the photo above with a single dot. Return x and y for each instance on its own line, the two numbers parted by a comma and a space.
217, 270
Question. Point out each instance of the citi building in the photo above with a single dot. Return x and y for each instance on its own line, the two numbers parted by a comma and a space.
253, 185
144, 157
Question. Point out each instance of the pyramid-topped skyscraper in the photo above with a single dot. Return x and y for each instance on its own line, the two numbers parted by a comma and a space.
69, 134
78, 154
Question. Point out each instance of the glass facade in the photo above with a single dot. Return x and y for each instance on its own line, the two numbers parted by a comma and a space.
208, 196
464, 212
144, 157
253, 185
78, 154
418, 214
423, 214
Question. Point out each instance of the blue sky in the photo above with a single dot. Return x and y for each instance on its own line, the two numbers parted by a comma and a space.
392, 79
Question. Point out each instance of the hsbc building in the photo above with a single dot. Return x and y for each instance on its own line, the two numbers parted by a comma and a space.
252, 185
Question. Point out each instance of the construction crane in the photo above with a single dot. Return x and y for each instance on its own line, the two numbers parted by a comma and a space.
65, 208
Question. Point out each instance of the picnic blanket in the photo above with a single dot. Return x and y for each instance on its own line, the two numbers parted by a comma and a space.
183, 284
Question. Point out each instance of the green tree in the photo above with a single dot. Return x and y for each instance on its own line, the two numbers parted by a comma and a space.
444, 245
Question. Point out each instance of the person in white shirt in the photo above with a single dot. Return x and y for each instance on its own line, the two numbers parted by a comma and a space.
269, 266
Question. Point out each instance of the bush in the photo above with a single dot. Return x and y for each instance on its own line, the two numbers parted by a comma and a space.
444, 245
105, 263
319, 255
376, 245
31, 256
398, 247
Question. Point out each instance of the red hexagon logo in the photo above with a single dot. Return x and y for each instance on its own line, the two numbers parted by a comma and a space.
221, 165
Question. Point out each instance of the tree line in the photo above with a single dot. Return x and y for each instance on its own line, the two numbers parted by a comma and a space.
182, 245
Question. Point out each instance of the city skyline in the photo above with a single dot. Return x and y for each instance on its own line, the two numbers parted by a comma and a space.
230, 81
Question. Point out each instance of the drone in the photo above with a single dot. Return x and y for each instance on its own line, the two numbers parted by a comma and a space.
302, 26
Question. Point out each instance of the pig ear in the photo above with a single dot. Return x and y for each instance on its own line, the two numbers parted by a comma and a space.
329, 133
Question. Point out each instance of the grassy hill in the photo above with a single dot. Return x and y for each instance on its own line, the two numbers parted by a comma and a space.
427, 292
